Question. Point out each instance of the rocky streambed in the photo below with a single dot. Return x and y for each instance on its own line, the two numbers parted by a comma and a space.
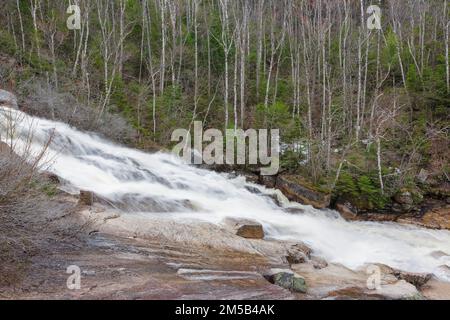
125, 256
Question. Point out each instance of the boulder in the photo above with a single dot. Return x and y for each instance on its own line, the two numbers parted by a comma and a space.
8, 99
245, 228
297, 253
407, 201
347, 211
287, 279
298, 190
295, 256
404, 198
86, 198
416, 279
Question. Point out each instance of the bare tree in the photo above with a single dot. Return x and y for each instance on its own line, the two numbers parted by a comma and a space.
22, 33
163, 44
385, 119
274, 46
226, 41
260, 26
446, 24
147, 27
34, 5
195, 10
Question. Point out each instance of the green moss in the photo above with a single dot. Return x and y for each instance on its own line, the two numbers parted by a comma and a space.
300, 180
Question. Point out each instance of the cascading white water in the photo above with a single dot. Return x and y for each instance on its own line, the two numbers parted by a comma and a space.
163, 186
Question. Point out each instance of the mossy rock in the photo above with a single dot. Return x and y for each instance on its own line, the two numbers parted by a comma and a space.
297, 189
288, 280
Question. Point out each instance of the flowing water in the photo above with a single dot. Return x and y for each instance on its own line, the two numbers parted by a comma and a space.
160, 185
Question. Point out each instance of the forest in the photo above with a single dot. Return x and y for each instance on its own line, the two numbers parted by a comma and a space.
361, 111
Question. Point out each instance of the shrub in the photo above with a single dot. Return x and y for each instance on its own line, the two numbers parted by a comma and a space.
46, 102
362, 191
28, 215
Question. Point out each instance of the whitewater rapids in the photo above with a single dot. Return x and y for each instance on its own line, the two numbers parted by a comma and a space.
161, 185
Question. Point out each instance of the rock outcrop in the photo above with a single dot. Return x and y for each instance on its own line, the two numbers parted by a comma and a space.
347, 211
298, 190
437, 218
294, 187
338, 282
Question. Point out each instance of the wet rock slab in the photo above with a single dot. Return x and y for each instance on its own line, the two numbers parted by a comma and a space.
338, 282
132, 257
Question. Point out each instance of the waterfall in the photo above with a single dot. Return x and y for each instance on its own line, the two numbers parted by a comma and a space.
161, 185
